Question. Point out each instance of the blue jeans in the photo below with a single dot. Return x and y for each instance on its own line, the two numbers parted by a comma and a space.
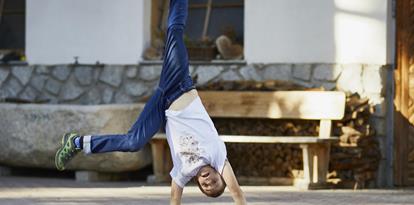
174, 81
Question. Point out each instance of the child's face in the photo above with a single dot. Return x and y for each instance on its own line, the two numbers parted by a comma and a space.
210, 181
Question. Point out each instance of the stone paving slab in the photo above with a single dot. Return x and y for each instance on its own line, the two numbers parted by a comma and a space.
24, 190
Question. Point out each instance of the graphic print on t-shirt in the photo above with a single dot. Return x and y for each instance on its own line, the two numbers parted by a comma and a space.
190, 151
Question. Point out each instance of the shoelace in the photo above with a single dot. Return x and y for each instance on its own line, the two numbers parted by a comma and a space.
69, 153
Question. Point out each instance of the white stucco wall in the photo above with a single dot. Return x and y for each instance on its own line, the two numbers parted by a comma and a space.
317, 31
112, 32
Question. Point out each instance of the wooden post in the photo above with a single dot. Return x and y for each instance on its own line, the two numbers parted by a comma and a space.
155, 19
323, 162
307, 167
161, 161
402, 113
207, 20
315, 166
325, 129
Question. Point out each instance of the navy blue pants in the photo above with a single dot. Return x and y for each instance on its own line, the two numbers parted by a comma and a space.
174, 81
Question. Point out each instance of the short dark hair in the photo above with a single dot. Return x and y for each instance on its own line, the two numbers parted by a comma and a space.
215, 194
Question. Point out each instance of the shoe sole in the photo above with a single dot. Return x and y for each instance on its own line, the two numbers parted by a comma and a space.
64, 139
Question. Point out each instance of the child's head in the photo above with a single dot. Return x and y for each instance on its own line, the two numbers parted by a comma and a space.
210, 182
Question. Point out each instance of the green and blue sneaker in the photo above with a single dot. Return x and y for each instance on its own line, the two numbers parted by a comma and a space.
68, 150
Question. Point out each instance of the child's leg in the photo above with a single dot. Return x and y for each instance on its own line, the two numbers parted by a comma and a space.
174, 73
147, 124
175, 68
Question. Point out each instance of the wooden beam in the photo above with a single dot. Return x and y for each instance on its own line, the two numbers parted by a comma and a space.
310, 105
276, 139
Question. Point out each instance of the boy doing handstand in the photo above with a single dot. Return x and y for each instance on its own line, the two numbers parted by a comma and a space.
196, 148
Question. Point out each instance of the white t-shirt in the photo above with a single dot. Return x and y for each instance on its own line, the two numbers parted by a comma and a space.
194, 142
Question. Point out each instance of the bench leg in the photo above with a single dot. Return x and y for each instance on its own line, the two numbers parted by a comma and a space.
162, 163
315, 166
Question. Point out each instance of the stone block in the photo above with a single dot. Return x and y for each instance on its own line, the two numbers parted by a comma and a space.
131, 72
278, 72
135, 88
372, 79
122, 98
207, 73
12, 87
41, 69
150, 73
250, 73
71, 91
327, 72
107, 95
302, 71
61, 72
112, 75
4, 73
35, 130
350, 79
53, 86
230, 75
38, 81
29, 94
91, 97
84, 75
22, 73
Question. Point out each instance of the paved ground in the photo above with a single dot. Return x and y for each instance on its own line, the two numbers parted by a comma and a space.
21, 191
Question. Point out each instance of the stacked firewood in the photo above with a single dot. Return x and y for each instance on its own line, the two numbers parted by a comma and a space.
356, 157
265, 160
354, 160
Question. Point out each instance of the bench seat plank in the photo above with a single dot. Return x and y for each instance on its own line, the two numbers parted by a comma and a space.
268, 139
275, 104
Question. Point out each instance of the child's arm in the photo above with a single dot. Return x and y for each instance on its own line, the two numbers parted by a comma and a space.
176, 193
233, 185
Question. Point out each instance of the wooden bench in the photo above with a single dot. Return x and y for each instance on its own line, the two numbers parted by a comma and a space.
304, 105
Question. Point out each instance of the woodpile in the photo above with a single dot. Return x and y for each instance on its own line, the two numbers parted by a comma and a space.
265, 160
354, 160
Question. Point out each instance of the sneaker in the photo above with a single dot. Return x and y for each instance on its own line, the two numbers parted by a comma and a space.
67, 151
